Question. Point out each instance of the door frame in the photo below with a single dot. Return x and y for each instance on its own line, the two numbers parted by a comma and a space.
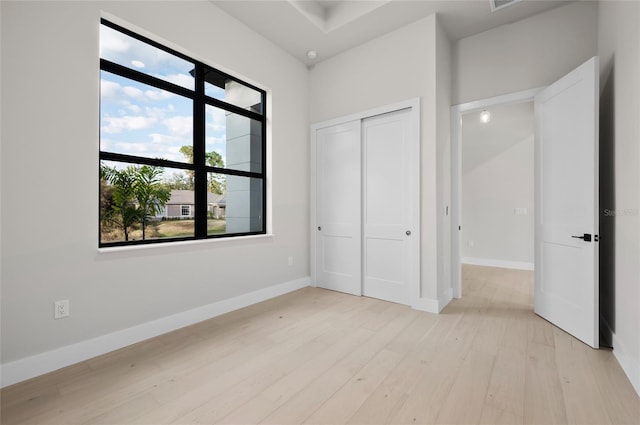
414, 116
457, 112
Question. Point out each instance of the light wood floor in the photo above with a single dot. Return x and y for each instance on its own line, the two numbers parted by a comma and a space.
321, 357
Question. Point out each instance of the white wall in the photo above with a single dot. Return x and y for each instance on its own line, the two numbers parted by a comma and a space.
527, 54
398, 66
490, 193
443, 165
619, 51
50, 100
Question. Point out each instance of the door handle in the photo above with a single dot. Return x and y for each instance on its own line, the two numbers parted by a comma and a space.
408, 233
319, 228
585, 237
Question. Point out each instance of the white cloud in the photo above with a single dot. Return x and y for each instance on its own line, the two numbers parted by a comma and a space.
179, 125
155, 112
119, 93
158, 95
133, 92
112, 42
182, 80
109, 88
119, 124
166, 139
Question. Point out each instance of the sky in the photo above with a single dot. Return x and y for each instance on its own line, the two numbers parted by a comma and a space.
138, 119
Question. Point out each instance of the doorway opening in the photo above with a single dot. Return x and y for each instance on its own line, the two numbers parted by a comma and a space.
480, 156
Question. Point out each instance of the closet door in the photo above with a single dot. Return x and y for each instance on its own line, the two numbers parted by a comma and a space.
338, 208
391, 207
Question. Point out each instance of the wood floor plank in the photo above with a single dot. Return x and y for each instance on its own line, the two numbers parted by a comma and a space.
426, 399
581, 393
346, 401
617, 394
300, 405
469, 390
543, 398
506, 386
324, 357
314, 343
281, 391
384, 403
494, 416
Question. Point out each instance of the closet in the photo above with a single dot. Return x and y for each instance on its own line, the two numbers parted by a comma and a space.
366, 203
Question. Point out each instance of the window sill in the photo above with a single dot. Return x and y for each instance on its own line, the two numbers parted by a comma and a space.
168, 245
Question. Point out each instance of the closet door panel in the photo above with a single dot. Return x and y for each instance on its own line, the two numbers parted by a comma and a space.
338, 208
388, 173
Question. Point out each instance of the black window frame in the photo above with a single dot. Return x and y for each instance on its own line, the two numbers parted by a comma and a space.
199, 166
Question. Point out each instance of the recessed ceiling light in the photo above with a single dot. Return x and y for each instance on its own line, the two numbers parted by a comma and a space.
312, 54
137, 63
485, 116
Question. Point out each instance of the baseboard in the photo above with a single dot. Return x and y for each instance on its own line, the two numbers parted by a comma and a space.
519, 265
445, 299
429, 305
629, 363
39, 364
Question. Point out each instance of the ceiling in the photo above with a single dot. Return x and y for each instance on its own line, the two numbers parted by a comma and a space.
509, 125
333, 26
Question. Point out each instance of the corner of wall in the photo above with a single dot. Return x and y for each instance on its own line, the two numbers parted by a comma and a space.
443, 165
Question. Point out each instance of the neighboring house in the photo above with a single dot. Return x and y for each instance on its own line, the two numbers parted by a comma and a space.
181, 205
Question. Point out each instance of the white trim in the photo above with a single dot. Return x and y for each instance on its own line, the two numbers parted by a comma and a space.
414, 105
456, 169
426, 304
236, 240
504, 264
445, 298
39, 364
630, 364
431, 305
358, 116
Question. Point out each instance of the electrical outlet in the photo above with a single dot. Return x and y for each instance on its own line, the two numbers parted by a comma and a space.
61, 309
291, 260
470, 243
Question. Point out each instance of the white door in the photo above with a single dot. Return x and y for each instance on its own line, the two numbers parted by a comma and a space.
566, 280
390, 206
338, 208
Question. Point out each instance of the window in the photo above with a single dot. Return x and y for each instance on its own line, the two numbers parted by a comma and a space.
176, 137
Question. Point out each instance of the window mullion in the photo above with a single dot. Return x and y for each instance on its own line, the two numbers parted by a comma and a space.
199, 156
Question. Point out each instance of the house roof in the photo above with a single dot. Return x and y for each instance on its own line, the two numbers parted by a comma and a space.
186, 197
